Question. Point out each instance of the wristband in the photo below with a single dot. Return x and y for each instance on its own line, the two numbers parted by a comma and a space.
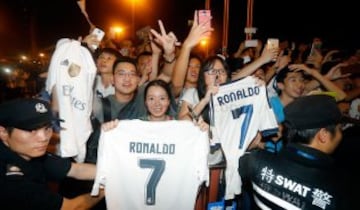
166, 60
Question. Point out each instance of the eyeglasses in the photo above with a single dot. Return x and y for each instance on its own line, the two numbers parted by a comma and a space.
126, 73
216, 72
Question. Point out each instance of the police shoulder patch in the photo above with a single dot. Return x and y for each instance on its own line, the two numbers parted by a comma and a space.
13, 170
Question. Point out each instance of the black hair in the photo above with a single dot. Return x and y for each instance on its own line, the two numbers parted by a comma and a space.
192, 55
9, 129
158, 83
235, 63
280, 77
162, 84
124, 59
144, 53
201, 86
108, 50
206, 66
305, 136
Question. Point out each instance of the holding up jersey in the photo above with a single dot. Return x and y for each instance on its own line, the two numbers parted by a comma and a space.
160, 167
71, 77
240, 109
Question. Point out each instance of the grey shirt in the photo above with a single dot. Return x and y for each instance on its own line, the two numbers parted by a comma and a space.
133, 109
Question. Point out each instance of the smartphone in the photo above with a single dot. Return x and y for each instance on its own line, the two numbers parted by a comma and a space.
99, 35
205, 16
272, 43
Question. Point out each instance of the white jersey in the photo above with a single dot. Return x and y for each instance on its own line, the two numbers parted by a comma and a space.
71, 75
152, 165
240, 109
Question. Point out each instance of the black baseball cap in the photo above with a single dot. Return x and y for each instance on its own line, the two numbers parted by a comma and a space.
26, 114
314, 111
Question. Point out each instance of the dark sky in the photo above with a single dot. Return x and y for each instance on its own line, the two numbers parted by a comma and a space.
37, 24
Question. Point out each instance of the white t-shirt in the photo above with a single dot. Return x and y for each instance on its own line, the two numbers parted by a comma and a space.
152, 165
71, 73
240, 109
190, 96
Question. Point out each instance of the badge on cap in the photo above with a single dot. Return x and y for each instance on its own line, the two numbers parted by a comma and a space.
40, 108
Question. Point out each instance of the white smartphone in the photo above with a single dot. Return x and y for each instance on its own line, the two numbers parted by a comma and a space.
99, 35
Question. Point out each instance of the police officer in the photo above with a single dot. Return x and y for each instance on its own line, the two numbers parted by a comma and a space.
302, 175
25, 165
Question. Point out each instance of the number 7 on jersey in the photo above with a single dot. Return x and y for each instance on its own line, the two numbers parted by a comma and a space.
236, 113
158, 167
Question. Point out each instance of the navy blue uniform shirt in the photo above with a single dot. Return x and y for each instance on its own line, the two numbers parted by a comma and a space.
23, 184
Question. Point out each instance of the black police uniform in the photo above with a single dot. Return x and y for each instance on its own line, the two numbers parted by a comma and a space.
299, 177
23, 184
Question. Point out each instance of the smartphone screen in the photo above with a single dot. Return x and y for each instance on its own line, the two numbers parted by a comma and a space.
205, 16
272, 43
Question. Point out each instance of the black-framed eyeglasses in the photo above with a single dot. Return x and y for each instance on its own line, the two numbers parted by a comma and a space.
216, 72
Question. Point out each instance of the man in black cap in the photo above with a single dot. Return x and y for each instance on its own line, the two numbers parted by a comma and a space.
302, 175
25, 165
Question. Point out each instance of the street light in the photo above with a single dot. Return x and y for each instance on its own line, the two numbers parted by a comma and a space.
24, 57
115, 32
205, 44
135, 5
133, 2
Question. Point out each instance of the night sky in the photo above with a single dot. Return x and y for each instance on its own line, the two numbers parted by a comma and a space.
46, 21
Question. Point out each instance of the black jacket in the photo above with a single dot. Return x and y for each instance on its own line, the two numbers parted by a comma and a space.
299, 177
23, 184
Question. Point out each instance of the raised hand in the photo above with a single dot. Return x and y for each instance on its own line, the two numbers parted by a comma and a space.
212, 90
155, 48
197, 32
269, 54
302, 67
90, 40
335, 72
167, 41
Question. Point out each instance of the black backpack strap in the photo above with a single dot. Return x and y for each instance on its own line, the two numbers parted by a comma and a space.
106, 109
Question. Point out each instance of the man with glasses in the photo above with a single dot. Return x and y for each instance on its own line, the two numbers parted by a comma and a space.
128, 100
